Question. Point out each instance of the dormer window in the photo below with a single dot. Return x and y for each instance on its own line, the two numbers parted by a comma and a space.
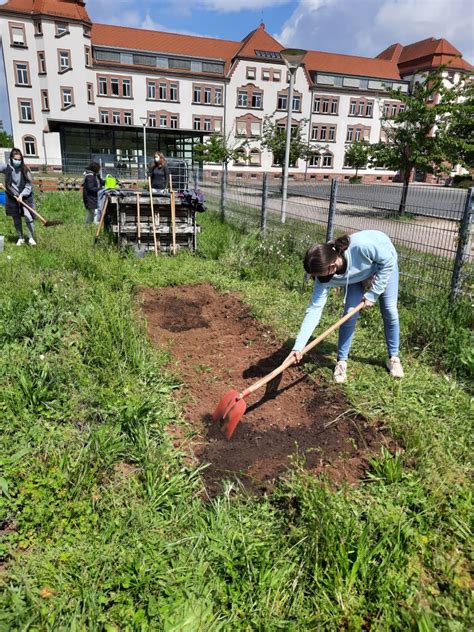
62, 28
38, 27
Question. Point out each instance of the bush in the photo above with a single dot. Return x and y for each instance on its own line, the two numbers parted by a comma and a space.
355, 180
462, 181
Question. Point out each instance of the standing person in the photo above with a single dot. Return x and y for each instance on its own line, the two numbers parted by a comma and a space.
366, 266
19, 183
90, 191
159, 173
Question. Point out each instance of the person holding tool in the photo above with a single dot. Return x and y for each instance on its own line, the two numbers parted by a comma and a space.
19, 187
93, 183
159, 173
365, 264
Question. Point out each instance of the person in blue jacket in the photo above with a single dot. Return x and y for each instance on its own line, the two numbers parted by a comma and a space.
365, 265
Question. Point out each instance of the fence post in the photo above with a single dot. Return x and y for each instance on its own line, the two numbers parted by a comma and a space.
263, 214
223, 183
463, 246
332, 210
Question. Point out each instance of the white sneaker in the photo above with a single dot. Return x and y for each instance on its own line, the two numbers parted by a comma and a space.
340, 372
20, 242
31, 242
394, 367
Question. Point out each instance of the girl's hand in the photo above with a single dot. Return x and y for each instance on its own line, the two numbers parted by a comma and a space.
368, 303
296, 354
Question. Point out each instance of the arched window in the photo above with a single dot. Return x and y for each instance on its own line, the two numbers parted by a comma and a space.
314, 160
255, 157
29, 146
327, 160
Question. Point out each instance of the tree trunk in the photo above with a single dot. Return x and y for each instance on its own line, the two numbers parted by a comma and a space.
406, 182
357, 171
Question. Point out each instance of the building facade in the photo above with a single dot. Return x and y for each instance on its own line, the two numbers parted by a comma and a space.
77, 90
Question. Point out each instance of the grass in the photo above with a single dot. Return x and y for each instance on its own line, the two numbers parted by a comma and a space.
104, 522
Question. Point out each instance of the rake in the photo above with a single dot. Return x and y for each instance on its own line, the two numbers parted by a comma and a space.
231, 407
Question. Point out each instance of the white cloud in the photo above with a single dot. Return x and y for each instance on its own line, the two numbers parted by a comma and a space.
366, 27
229, 6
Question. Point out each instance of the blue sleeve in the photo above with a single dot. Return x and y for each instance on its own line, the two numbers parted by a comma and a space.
385, 260
312, 315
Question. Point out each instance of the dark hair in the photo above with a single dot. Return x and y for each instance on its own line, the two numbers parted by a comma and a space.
320, 256
23, 167
94, 166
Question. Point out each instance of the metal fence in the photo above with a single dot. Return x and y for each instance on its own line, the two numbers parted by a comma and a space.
433, 236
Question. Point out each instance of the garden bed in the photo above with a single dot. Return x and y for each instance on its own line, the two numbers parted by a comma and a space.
217, 345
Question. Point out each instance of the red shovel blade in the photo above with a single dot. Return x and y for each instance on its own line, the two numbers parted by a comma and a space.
221, 409
232, 417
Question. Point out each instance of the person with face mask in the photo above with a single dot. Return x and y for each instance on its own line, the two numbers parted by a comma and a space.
19, 183
366, 266
159, 173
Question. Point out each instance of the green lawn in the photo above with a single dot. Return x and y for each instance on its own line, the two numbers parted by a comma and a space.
104, 526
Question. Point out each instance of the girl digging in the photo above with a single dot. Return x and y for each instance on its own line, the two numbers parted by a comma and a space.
366, 266
19, 183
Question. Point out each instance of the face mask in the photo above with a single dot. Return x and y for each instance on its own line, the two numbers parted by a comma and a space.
157, 160
325, 279
16, 163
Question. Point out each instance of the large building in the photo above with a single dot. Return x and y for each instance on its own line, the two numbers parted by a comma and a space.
78, 89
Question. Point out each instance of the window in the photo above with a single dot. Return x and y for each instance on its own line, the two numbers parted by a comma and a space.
317, 105
104, 116
255, 128
265, 75
22, 73
212, 67
350, 134
314, 160
17, 35
207, 125
218, 125
151, 90
323, 133
361, 107
218, 96
369, 108
314, 133
116, 118
163, 120
197, 94
251, 73
127, 118
29, 146
151, 120
44, 101
254, 157
242, 98
64, 57
86, 30
197, 123
114, 87
67, 98
163, 92
127, 87
26, 110
352, 107
334, 106
257, 100
88, 56
90, 93
62, 28
41, 63
325, 105
282, 102
181, 64
277, 75
207, 95
297, 103
173, 91
332, 134
102, 86
174, 121
38, 27
327, 160
241, 128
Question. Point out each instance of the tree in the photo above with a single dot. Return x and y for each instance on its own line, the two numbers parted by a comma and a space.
5, 139
357, 156
274, 139
219, 149
419, 136
461, 127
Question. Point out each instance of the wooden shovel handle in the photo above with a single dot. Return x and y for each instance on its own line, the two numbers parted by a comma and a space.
173, 213
102, 219
138, 218
289, 361
27, 206
153, 223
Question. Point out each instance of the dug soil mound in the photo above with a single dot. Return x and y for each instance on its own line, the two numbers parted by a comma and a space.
217, 345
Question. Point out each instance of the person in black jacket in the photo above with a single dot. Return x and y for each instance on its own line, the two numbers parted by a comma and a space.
19, 184
92, 184
159, 173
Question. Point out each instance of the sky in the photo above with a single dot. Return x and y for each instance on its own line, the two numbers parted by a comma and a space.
356, 27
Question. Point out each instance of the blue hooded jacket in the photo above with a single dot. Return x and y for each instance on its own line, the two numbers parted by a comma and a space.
370, 253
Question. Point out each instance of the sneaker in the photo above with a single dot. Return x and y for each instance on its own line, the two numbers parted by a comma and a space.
340, 372
20, 242
394, 367
31, 242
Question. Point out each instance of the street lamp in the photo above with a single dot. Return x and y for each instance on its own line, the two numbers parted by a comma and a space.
144, 120
293, 58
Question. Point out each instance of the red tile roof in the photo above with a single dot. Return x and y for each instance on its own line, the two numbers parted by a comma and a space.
258, 39
351, 65
72, 9
425, 55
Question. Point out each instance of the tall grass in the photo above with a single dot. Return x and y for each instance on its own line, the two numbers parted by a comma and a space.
106, 527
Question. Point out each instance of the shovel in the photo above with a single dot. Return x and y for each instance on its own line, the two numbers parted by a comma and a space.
231, 408
101, 223
139, 248
173, 213
153, 222
35, 213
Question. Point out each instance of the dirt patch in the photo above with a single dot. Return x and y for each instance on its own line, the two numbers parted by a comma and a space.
217, 345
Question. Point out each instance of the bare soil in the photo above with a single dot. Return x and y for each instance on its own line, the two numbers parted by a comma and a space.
217, 345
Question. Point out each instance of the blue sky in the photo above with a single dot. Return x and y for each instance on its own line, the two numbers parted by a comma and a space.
358, 27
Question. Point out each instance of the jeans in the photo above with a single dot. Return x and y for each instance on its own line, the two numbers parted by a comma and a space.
17, 221
388, 307
93, 215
